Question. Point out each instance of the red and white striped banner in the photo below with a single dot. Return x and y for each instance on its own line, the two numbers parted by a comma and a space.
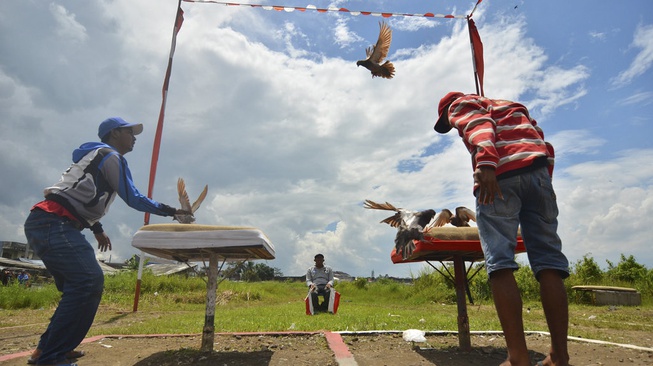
179, 19
477, 52
289, 9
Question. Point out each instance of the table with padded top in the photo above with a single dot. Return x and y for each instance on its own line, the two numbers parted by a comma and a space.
194, 242
457, 244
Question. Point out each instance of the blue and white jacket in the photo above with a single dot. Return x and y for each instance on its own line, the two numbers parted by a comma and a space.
89, 186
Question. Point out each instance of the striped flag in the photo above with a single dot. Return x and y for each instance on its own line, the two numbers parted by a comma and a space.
179, 19
477, 55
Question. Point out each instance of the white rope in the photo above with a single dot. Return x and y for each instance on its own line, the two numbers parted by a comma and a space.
498, 332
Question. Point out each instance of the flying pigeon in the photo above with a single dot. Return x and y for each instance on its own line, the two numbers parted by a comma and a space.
185, 202
462, 217
410, 225
376, 54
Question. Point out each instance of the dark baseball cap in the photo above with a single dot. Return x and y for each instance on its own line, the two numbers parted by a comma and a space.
443, 125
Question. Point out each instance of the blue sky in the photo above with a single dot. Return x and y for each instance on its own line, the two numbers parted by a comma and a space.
269, 109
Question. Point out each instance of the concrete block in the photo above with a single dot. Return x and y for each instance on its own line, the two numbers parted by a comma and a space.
617, 298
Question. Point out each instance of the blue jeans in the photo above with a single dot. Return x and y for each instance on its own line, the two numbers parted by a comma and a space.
529, 200
70, 259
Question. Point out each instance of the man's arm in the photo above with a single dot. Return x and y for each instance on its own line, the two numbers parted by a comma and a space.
116, 172
330, 278
103, 241
486, 180
309, 279
472, 119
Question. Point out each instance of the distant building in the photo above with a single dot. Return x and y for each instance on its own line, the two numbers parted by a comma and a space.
15, 250
342, 276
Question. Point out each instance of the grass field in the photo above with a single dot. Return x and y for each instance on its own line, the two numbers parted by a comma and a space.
177, 305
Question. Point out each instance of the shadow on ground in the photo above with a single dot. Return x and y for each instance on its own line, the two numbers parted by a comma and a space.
481, 356
200, 358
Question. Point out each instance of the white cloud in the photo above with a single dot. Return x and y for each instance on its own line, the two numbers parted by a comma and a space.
575, 142
67, 26
343, 36
412, 24
289, 137
643, 40
605, 207
641, 98
597, 35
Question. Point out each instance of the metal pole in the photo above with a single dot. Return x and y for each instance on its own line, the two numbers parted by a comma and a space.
463, 321
208, 333
137, 293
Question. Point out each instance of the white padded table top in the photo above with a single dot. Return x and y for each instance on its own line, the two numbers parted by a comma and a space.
184, 242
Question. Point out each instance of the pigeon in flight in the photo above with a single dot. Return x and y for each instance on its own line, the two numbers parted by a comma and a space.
410, 225
460, 219
375, 55
185, 202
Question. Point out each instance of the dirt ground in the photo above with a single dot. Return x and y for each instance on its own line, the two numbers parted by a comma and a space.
312, 349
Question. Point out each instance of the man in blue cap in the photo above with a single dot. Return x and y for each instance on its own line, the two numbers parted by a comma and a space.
54, 231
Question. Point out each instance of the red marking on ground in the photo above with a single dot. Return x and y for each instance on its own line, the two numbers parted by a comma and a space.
337, 345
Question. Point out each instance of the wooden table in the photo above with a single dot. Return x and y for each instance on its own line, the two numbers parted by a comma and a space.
192, 242
457, 244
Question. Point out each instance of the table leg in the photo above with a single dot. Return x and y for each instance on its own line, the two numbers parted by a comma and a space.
463, 321
208, 333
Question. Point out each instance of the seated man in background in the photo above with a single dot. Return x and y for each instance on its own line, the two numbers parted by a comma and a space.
319, 279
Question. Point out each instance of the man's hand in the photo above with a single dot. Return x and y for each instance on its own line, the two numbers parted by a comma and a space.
183, 212
103, 242
488, 187
328, 285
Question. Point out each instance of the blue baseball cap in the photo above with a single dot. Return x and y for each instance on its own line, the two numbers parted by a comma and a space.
116, 122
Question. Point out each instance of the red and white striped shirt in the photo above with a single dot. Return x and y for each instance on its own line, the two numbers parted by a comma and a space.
499, 133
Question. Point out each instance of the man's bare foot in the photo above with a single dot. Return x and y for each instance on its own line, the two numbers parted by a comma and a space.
508, 363
548, 362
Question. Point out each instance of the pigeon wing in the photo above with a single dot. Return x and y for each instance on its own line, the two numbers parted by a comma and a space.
183, 196
395, 220
379, 206
200, 199
369, 51
443, 218
424, 218
465, 214
380, 50
431, 224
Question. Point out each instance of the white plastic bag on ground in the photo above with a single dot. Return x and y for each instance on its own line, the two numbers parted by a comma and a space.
414, 335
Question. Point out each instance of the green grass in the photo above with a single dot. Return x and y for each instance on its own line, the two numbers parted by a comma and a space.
177, 305
15, 296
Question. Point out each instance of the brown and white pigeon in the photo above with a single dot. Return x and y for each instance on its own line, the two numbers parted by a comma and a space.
185, 202
377, 53
460, 219
410, 225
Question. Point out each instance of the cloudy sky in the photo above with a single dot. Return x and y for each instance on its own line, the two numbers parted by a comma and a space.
269, 109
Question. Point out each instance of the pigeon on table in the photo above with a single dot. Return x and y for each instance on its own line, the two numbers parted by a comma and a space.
460, 219
185, 202
410, 224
